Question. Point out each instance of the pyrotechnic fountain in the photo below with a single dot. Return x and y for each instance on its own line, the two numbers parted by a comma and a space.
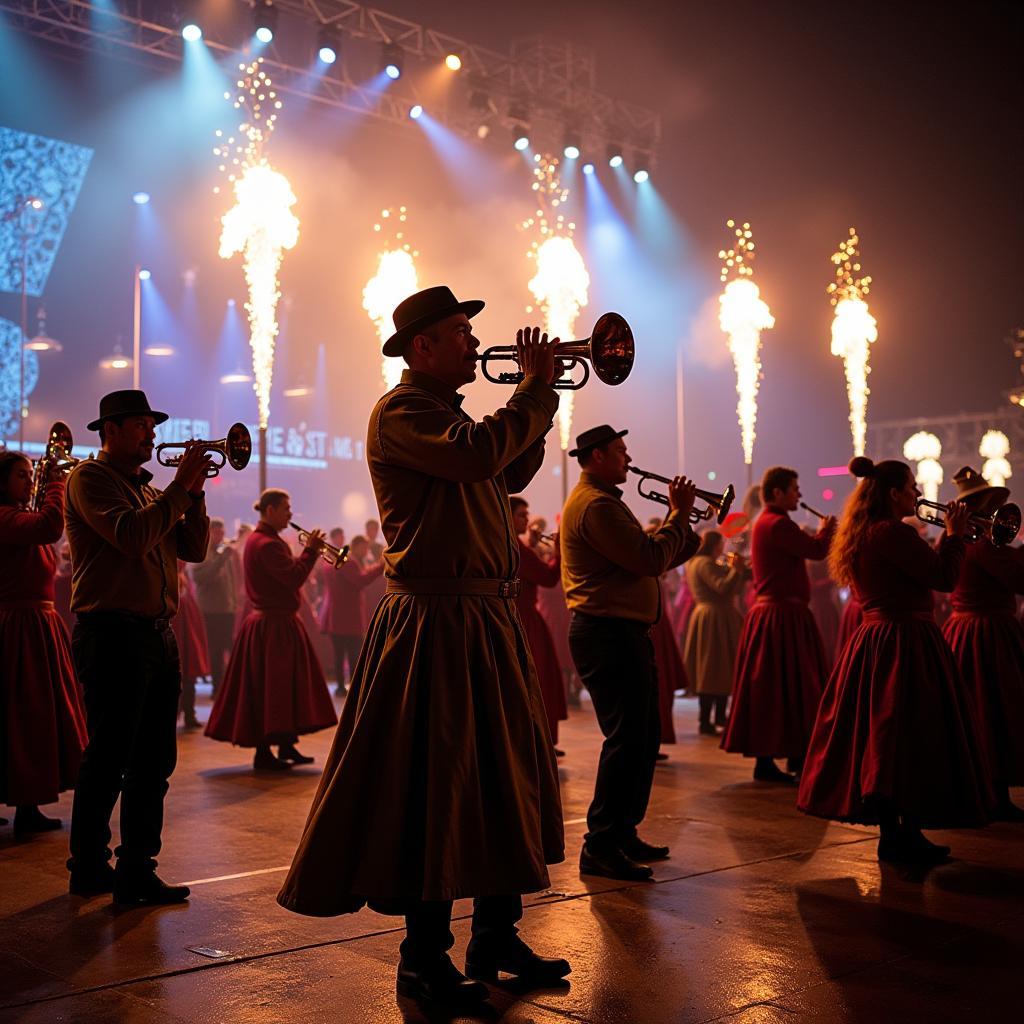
925, 449
395, 279
743, 316
994, 448
260, 226
853, 331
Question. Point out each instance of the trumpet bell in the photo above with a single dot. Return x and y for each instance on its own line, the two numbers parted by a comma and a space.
723, 506
238, 446
1006, 524
612, 349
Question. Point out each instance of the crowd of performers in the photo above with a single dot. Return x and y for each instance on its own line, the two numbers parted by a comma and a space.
462, 643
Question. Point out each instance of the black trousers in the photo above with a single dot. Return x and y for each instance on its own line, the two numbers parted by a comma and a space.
614, 659
346, 648
131, 677
220, 628
428, 926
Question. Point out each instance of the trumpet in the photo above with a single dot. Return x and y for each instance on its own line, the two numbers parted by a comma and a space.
335, 557
235, 450
718, 505
609, 349
56, 458
813, 511
1002, 526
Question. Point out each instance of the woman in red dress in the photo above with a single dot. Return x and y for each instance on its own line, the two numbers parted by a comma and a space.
987, 640
535, 572
43, 732
274, 688
853, 615
193, 647
895, 743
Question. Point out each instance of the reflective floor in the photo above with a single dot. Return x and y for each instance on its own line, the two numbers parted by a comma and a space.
761, 915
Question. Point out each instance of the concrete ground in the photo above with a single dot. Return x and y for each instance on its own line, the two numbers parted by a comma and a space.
761, 916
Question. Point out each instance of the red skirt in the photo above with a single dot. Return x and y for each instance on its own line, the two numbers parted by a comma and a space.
853, 615
274, 688
549, 672
988, 648
671, 674
43, 733
190, 632
896, 731
780, 675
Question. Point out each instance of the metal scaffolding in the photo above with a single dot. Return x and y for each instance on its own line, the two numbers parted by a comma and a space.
548, 86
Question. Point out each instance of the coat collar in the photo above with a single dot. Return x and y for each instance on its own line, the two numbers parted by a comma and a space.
136, 479
424, 381
594, 481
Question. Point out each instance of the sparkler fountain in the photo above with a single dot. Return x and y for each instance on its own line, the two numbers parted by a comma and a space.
994, 448
925, 449
260, 227
396, 279
561, 281
743, 315
854, 329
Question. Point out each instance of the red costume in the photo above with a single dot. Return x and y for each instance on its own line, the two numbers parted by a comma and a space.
274, 689
190, 631
896, 731
43, 720
780, 665
535, 572
824, 608
987, 640
853, 615
343, 611
671, 671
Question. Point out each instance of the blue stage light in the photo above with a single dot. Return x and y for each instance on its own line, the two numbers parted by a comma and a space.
191, 32
416, 111
640, 177
615, 161
327, 44
140, 198
144, 275
393, 71
264, 34
521, 143
572, 152
588, 168
327, 54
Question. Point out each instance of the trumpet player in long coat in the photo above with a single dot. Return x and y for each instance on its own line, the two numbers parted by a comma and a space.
442, 781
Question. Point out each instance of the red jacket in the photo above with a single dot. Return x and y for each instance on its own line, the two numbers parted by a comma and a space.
273, 577
28, 560
343, 612
990, 579
778, 549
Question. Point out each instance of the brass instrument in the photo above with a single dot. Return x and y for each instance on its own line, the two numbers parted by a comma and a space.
609, 349
235, 450
718, 505
1003, 525
813, 511
56, 458
335, 557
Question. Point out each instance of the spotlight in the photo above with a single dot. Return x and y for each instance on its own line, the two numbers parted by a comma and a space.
327, 44
140, 198
144, 275
264, 17
392, 57
34, 203
614, 155
641, 176
416, 111
453, 62
191, 32
571, 152
521, 134
588, 168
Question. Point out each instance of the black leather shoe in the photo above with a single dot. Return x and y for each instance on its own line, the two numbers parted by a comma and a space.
30, 820
771, 772
91, 883
911, 848
264, 761
613, 864
439, 983
146, 890
636, 849
707, 729
513, 956
288, 752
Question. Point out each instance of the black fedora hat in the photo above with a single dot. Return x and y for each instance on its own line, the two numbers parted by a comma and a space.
125, 403
594, 438
423, 309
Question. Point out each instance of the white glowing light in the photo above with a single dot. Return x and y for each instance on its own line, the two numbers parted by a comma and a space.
191, 32
396, 279
742, 316
453, 62
261, 226
924, 449
994, 448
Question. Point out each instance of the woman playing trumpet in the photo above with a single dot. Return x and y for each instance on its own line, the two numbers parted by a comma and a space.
895, 742
274, 688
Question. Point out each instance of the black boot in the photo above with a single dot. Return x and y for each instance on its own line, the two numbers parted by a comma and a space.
706, 728
264, 761
92, 881
636, 849
29, 820
287, 752
439, 982
766, 770
486, 957
612, 864
145, 888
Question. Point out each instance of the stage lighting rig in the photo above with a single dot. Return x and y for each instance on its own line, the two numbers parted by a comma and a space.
484, 108
328, 45
391, 56
264, 20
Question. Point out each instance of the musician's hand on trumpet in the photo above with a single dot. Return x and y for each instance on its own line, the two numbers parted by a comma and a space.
314, 540
536, 355
192, 469
957, 518
681, 495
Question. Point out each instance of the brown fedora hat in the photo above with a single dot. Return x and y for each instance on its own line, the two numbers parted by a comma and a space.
422, 310
594, 438
969, 483
125, 403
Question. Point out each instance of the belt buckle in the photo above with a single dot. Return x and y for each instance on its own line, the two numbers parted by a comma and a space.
508, 588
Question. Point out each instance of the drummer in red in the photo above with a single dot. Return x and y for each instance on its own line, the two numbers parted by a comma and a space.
780, 666
43, 721
987, 640
535, 572
274, 689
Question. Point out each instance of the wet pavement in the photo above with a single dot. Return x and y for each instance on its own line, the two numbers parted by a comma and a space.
762, 915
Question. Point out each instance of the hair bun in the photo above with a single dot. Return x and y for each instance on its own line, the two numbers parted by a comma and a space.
255, 506
861, 466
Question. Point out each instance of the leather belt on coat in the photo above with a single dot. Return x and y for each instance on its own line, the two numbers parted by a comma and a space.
39, 606
455, 587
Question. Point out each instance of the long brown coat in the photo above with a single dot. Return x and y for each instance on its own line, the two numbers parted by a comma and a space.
441, 783
713, 632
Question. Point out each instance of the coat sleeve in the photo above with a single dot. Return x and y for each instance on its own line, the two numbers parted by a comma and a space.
608, 527
789, 538
277, 562
534, 569
723, 581
522, 469
194, 531
19, 526
94, 492
937, 569
418, 431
